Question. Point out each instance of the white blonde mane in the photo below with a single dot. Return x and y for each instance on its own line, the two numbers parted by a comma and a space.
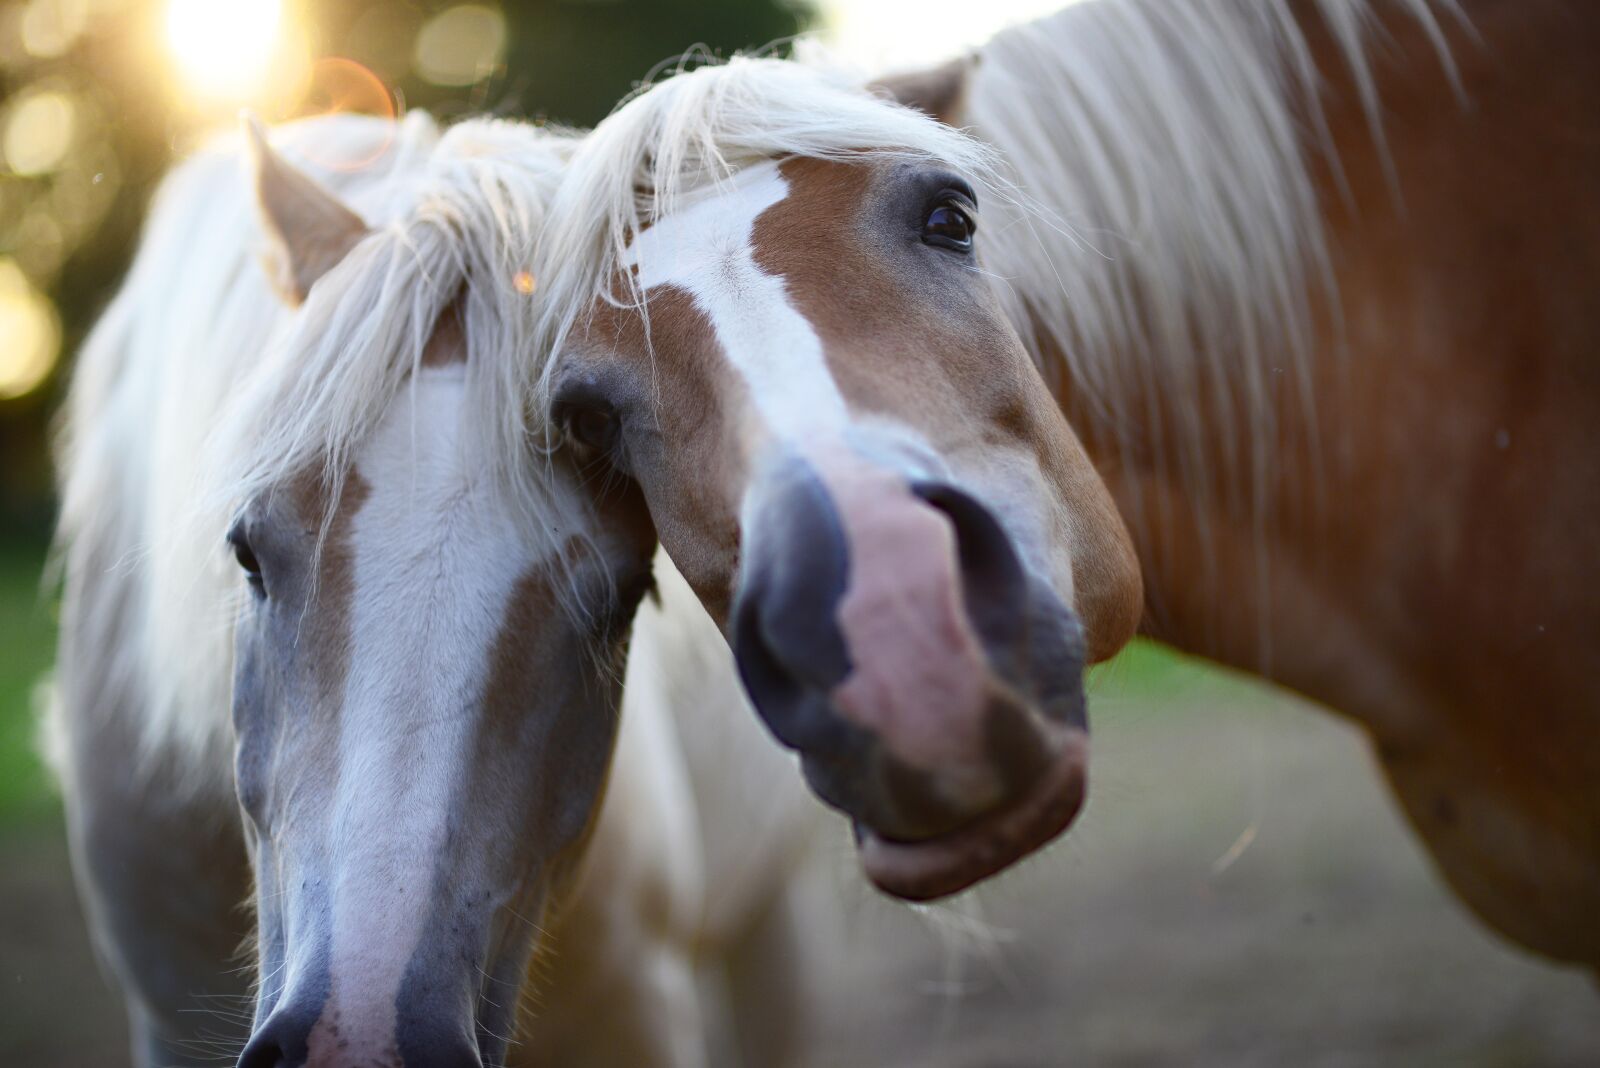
691, 133
199, 389
1176, 233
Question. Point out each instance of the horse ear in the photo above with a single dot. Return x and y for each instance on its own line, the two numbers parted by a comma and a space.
308, 228
936, 92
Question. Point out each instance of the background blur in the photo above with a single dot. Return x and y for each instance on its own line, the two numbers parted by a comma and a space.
1241, 890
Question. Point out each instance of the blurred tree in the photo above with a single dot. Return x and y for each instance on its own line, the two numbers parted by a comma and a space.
97, 96
571, 60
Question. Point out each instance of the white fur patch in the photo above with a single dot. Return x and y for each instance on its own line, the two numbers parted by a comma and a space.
437, 556
705, 248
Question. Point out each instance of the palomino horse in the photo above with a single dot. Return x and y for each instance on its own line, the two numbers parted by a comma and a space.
1320, 312
886, 510
423, 623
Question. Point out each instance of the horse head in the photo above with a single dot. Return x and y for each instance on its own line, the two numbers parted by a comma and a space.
794, 352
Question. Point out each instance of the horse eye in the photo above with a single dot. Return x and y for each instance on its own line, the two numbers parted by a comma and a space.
949, 226
594, 428
246, 558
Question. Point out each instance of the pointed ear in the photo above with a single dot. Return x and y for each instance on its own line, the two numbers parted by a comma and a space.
308, 229
938, 92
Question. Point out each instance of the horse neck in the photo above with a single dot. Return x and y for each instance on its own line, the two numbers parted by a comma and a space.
1174, 279
1441, 589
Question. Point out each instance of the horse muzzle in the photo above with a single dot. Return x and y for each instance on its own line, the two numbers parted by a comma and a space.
302, 1036
344, 987
888, 630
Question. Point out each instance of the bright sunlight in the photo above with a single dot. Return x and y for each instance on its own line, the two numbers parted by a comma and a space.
224, 50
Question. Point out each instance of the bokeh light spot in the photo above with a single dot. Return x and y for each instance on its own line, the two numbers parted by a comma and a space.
50, 27
32, 333
40, 247
461, 45
39, 132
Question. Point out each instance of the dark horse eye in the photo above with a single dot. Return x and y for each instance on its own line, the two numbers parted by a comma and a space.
594, 428
949, 226
247, 561
591, 425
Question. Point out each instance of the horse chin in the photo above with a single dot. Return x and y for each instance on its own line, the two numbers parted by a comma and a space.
937, 867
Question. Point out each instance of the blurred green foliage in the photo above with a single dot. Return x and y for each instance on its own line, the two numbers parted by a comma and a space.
27, 643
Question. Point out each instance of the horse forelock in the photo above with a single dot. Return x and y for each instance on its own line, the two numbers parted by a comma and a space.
453, 263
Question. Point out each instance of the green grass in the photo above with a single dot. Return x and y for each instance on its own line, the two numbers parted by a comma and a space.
1157, 674
27, 645
1145, 668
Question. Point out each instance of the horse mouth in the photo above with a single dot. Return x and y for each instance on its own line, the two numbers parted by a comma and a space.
949, 863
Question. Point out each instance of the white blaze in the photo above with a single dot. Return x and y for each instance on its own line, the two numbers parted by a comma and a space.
437, 556
705, 249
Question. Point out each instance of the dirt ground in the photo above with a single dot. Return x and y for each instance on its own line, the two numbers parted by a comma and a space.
1239, 893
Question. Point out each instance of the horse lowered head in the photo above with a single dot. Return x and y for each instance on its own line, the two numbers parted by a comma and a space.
849, 455
426, 669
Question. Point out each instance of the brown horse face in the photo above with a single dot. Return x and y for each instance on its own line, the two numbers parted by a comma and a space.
849, 455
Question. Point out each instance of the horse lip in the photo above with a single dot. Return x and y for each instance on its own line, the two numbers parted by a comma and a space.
949, 863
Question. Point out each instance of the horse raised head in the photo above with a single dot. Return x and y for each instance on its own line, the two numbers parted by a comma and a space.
799, 359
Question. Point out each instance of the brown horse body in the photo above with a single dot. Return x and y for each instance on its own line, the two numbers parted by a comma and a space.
1425, 552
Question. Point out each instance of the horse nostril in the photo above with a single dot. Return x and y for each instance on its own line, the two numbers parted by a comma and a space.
281, 1041
262, 1051
785, 635
790, 701
994, 583
448, 1050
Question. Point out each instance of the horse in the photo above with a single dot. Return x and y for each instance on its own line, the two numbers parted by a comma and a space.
1381, 268
311, 495
1311, 313
914, 561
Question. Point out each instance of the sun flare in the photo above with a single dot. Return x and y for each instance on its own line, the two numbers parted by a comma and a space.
225, 48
